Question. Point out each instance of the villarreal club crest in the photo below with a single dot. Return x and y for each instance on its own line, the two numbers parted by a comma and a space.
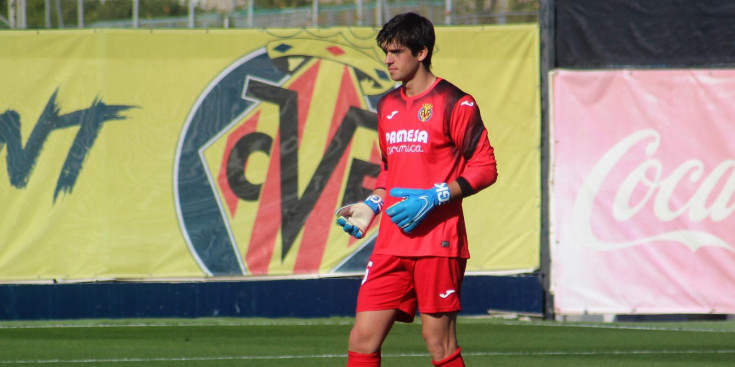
426, 112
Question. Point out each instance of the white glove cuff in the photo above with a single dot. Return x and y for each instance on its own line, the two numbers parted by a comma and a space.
375, 203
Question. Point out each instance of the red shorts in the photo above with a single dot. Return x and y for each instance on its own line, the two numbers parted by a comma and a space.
431, 284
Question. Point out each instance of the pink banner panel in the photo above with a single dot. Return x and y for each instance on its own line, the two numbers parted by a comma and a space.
643, 191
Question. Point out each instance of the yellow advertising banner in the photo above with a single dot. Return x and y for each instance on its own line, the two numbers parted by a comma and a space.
175, 154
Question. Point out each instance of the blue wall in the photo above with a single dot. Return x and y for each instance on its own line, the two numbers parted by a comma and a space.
301, 298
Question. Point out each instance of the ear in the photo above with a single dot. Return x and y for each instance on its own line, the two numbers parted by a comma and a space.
422, 54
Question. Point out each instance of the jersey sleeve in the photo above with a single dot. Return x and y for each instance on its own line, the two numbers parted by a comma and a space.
471, 138
382, 180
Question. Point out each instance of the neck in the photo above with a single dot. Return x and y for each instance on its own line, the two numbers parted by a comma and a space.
420, 82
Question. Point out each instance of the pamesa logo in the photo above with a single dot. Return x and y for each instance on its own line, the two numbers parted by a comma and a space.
278, 141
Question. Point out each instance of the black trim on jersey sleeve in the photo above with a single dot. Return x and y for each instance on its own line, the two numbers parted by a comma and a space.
452, 95
475, 134
465, 186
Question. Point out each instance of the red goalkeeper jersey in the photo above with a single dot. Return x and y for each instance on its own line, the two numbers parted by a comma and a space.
435, 137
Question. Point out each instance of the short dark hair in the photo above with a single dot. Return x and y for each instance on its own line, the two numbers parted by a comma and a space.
411, 30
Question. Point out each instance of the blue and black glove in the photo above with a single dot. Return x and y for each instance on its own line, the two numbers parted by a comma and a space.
416, 205
356, 218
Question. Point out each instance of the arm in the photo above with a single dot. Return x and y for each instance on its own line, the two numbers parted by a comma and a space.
455, 190
470, 138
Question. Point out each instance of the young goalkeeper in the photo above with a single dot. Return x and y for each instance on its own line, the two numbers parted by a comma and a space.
435, 151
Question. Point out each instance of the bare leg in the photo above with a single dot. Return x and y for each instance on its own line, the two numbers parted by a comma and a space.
440, 333
370, 330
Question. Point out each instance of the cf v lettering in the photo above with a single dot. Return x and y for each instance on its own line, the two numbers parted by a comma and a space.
296, 206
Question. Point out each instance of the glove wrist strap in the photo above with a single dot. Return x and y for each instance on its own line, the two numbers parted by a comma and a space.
375, 203
443, 194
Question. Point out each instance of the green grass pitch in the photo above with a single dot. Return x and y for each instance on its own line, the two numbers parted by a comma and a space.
322, 342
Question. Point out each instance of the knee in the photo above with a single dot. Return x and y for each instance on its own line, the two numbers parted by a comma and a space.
363, 341
438, 346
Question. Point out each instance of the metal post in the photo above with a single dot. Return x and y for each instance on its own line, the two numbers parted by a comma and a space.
314, 13
136, 15
359, 12
59, 14
502, 19
547, 23
80, 13
191, 13
228, 14
21, 23
379, 13
385, 13
22, 20
47, 13
250, 13
448, 12
11, 14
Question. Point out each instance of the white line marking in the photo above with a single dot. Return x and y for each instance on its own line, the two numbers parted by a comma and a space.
620, 327
350, 322
389, 355
605, 352
173, 324
169, 359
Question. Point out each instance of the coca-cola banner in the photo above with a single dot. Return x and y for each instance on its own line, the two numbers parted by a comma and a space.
643, 191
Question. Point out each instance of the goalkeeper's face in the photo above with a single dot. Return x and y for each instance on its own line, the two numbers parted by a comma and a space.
401, 62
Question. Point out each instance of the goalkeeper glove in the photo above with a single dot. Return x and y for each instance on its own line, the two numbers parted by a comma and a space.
356, 218
416, 205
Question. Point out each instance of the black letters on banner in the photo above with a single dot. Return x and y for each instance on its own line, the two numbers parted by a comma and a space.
22, 160
294, 207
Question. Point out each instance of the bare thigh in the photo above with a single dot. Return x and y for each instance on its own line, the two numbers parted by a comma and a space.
370, 330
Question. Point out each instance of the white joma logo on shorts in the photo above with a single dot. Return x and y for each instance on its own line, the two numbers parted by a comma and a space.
447, 293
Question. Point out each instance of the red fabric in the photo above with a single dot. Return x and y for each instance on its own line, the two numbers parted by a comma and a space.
454, 360
392, 282
363, 360
435, 137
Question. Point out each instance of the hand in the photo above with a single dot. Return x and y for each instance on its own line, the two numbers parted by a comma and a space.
356, 218
416, 205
